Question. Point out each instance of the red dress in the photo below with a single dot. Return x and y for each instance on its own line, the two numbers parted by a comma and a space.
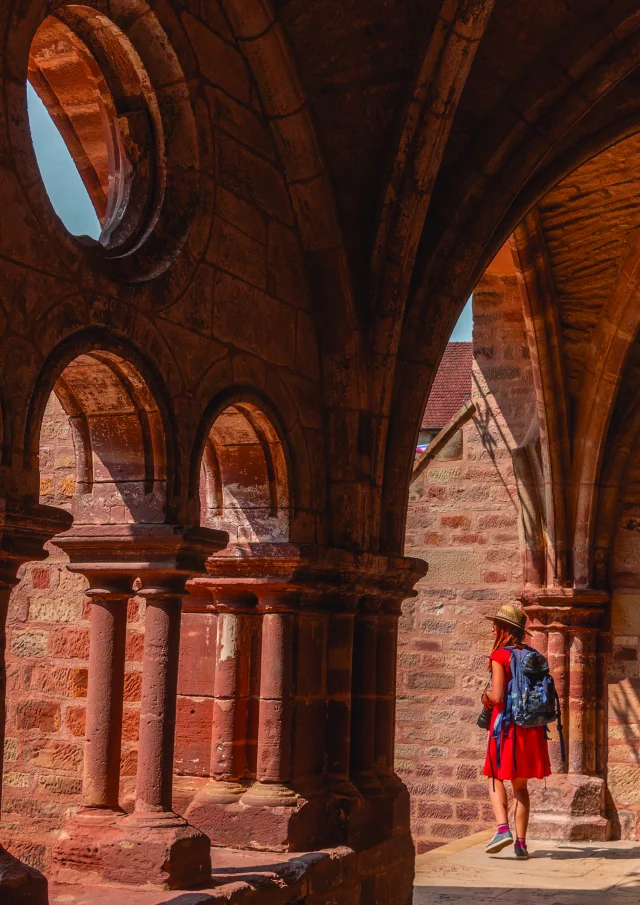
532, 753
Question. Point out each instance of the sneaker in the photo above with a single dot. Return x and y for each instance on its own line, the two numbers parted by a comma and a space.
520, 851
499, 841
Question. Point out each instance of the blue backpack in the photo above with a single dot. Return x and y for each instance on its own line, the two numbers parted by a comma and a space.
531, 699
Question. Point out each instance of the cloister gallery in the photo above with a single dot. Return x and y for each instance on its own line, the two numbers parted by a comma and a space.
215, 639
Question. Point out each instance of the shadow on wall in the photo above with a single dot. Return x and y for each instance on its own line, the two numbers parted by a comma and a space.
624, 708
492, 434
245, 489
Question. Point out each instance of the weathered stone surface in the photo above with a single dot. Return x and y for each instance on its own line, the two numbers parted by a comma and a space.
296, 201
623, 781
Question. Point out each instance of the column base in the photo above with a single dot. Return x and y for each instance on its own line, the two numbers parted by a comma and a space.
20, 884
157, 850
265, 817
270, 795
571, 809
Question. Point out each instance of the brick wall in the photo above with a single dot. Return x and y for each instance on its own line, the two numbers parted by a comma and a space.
623, 774
47, 659
47, 673
463, 520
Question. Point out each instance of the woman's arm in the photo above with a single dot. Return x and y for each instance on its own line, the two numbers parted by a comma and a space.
496, 692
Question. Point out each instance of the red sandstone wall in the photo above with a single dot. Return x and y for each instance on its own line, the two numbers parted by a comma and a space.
250, 291
47, 659
463, 520
623, 775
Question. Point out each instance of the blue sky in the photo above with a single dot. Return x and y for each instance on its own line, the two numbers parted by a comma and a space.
59, 173
462, 330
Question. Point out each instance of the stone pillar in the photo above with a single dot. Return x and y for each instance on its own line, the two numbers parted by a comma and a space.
364, 698
214, 808
582, 702
395, 812
109, 591
339, 678
24, 529
539, 641
307, 736
558, 657
103, 733
156, 845
154, 780
572, 806
229, 760
275, 721
350, 816
603, 655
153, 846
386, 657
310, 705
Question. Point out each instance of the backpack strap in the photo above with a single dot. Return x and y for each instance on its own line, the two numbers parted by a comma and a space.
563, 754
497, 735
503, 721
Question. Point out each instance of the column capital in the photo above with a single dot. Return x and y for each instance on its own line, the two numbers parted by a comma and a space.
564, 609
163, 557
24, 530
322, 577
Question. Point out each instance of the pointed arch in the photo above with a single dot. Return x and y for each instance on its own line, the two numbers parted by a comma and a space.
613, 336
544, 341
473, 217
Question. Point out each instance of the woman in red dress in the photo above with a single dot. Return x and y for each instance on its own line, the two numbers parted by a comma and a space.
531, 754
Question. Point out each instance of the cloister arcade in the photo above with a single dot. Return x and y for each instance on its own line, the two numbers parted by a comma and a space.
209, 419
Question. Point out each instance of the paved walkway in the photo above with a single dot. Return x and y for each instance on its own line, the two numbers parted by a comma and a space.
557, 873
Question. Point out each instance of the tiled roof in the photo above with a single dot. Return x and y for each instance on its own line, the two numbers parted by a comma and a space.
451, 387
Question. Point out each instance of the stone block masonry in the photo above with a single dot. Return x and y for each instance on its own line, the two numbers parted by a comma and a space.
463, 519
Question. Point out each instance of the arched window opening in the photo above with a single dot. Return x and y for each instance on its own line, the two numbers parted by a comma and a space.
88, 81
65, 188
102, 449
244, 477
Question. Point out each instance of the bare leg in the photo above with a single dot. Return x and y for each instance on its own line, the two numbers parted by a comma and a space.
521, 795
499, 801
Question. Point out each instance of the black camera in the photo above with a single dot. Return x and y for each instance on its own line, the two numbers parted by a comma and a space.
484, 720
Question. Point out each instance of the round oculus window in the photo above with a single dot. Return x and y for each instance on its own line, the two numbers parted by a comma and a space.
98, 123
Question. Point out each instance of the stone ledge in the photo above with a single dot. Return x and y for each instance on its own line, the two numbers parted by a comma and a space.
240, 877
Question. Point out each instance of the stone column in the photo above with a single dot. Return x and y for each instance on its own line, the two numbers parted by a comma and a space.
103, 733
310, 705
229, 764
153, 846
305, 738
603, 655
558, 658
339, 678
582, 702
386, 656
394, 811
24, 529
275, 720
154, 780
364, 698
572, 805
232, 690
172, 852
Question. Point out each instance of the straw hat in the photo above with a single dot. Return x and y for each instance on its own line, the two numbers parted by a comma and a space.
512, 615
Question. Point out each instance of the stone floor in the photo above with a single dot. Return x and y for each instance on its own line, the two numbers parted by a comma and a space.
557, 873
